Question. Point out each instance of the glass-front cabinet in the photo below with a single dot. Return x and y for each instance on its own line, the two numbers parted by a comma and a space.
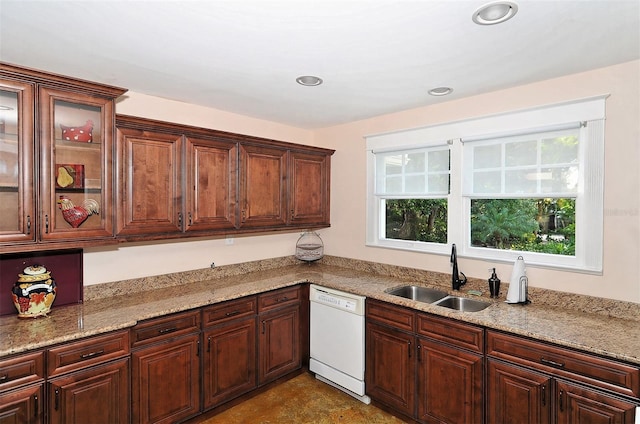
17, 202
75, 165
56, 161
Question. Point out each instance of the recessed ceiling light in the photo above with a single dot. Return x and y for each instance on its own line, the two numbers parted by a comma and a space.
309, 80
495, 12
440, 91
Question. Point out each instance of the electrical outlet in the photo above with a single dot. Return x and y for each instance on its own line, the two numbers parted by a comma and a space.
213, 264
228, 241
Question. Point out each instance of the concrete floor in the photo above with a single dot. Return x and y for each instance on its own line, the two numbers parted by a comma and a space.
302, 400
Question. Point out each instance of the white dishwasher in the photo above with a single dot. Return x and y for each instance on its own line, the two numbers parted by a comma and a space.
337, 339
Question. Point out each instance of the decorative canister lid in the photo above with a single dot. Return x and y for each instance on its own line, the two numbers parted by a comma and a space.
34, 273
309, 247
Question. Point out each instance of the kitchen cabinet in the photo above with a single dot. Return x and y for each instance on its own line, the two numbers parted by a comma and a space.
88, 380
22, 389
559, 385
230, 354
165, 368
309, 199
149, 187
56, 140
425, 367
280, 333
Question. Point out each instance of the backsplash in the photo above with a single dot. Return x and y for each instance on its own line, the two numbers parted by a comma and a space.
556, 299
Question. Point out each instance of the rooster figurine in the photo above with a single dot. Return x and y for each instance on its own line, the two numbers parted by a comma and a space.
76, 215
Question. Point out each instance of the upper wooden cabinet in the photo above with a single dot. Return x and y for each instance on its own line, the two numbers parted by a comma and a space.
56, 146
176, 180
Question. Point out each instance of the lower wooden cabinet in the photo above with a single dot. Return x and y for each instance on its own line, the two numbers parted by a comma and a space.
166, 369
23, 405
99, 394
229, 361
428, 368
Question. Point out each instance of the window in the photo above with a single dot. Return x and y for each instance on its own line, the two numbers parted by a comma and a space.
527, 183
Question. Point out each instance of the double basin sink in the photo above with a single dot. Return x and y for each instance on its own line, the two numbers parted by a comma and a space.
439, 298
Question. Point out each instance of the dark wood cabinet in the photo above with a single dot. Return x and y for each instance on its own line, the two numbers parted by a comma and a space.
428, 368
230, 353
309, 180
532, 381
280, 333
22, 389
88, 380
263, 193
390, 367
517, 395
210, 184
56, 146
165, 368
149, 187
99, 394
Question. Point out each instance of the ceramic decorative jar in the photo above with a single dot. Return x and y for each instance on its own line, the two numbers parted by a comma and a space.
34, 292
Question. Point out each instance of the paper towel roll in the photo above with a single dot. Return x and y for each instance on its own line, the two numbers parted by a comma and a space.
519, 271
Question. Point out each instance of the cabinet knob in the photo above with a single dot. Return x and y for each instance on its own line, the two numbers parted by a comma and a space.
46, 224
28, 224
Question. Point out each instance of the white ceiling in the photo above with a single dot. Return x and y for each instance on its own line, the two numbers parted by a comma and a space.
375, 56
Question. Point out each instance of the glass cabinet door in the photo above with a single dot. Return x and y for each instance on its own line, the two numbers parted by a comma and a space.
75, 165
17, 197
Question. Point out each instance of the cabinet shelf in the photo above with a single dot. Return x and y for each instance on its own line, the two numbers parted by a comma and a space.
77, 145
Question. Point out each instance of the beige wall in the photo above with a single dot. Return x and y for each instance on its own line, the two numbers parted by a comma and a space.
347, 234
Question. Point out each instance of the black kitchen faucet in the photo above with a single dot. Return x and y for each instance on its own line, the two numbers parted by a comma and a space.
456, 282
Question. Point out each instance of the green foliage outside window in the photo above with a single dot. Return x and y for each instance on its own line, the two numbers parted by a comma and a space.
417, 220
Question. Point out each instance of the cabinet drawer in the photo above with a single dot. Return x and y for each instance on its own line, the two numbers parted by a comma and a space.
395, 316
277, 298
20, 370
158, 329
233, 309
453, 332
590, 369
87, 352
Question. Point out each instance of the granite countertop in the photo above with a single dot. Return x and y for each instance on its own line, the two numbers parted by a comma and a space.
123, 306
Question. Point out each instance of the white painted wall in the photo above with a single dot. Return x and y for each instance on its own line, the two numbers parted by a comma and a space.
346, 236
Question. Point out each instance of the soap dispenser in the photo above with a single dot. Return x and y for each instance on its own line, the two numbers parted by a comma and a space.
494, 284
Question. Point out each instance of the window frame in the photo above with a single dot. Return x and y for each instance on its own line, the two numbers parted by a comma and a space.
589, 199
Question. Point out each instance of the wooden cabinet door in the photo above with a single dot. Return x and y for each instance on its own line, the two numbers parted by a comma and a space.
263, 196
309, 188
76, 165
279, 343
517, 395
17, 196
166, 381
149, 182
576, 404
390, 375
229, 361
449, 384
98, 394
24, 405
211, 184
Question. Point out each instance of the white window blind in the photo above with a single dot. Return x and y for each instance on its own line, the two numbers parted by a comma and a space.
544, 164
417, 172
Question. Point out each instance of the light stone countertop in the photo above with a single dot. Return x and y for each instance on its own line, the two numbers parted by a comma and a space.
609, 329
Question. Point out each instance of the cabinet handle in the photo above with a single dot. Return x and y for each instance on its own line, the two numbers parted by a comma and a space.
209, 344
551, 363
198, 348
190, 219
46, 224
57, 399
92, 354
4, 378
543, 394
167, 330
243, 215
409, 344
28, 224
419, 349
232, 313
264, 327
560, 401
282, 299
180, 219
36, 409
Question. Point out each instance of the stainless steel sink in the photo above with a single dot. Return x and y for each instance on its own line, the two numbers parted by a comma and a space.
421, 294
462, 304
